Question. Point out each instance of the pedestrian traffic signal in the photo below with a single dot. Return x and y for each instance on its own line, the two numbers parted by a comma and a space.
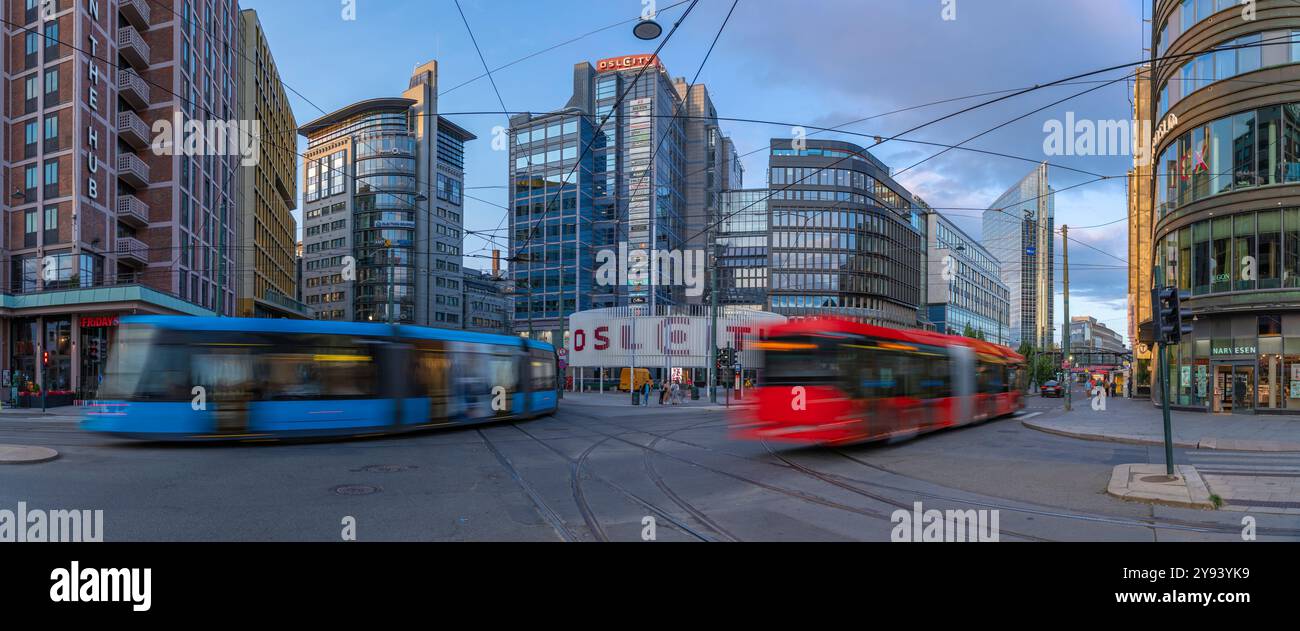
1170, 324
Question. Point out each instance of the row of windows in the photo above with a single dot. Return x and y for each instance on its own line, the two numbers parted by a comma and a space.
1187, 15
327, 227
1219, 65
327, 245
1238, 152
538, 134
554, 156
326, 210
842, 178
1242, 252
32, 132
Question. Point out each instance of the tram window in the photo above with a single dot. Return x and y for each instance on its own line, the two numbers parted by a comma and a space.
504, 373
226, 373
812, 366
990, 379
320, 367
543, 370
433, 373
146, 364
936, 373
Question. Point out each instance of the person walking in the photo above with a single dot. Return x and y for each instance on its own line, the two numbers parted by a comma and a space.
675, 396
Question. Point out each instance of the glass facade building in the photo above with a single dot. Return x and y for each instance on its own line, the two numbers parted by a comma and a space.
965, 284
1019, 232
579, 188
742, 254
382, 209
845, 238
1224, 189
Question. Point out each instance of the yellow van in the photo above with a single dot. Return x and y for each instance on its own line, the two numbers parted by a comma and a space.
642, 378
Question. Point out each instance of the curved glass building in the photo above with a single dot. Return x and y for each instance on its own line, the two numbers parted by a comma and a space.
1227, 200
846, 239
383, 211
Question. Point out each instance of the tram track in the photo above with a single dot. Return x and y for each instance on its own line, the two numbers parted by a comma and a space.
850, 484
579, 464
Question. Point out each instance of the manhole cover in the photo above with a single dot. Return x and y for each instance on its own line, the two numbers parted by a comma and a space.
385, 468
355, 489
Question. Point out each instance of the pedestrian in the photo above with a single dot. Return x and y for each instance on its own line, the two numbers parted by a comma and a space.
675, 394
663, 394
645, 388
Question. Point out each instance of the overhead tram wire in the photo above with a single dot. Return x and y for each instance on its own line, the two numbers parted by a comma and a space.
588, 146
495, 89
559, 45
976, 107
677, 106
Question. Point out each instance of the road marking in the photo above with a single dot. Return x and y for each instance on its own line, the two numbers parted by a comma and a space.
1029, 416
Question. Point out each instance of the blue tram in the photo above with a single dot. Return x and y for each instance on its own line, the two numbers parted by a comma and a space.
223, 379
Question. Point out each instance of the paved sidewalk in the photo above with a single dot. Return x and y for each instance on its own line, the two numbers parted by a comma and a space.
1138, 422
59, 414
624, 400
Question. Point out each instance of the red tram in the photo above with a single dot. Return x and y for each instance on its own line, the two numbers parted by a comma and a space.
831, 381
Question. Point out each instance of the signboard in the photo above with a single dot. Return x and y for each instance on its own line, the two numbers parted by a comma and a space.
99, 322
1295, 389
1185, 378
1229, 349
600, 339
629, 62
1031, 251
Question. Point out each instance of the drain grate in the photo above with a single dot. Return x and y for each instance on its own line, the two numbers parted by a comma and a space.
356, 489
385, 468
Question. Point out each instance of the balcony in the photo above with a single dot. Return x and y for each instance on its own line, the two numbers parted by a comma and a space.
132, 88
132, 251
132, 130
132, 47
132, 170
132, 212
136, 12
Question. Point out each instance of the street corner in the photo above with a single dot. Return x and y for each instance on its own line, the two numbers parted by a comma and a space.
1151, 483
23, 454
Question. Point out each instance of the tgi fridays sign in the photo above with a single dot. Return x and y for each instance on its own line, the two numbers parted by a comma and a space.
630, 62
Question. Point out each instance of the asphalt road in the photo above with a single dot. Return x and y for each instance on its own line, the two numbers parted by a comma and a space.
597, 472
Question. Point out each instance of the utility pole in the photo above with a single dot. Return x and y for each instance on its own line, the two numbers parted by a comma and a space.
712, 363
1065, 338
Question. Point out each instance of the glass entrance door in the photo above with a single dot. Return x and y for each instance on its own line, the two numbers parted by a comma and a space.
1243, 389
1222, 401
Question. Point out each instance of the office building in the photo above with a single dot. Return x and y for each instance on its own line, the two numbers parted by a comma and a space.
1141, 256
741, 262
1019, 232
1226, 185
268, 190
105, 218
966, 292
639, 183
383, 218
846, 239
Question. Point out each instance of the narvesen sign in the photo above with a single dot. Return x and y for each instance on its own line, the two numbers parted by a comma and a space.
630, 62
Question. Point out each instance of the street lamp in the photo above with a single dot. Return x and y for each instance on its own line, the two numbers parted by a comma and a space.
647, 29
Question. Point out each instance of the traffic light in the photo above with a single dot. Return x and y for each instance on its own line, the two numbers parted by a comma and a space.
45, 358
1170, 326
720, 362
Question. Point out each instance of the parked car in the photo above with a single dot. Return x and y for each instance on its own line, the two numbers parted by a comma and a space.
1052, 389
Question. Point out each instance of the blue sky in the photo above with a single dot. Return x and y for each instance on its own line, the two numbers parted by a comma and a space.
806, 62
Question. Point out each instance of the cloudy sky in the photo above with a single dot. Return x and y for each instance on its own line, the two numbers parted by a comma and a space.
797, 62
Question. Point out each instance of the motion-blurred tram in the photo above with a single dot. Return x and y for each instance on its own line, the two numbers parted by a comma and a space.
835, 382
234, 379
